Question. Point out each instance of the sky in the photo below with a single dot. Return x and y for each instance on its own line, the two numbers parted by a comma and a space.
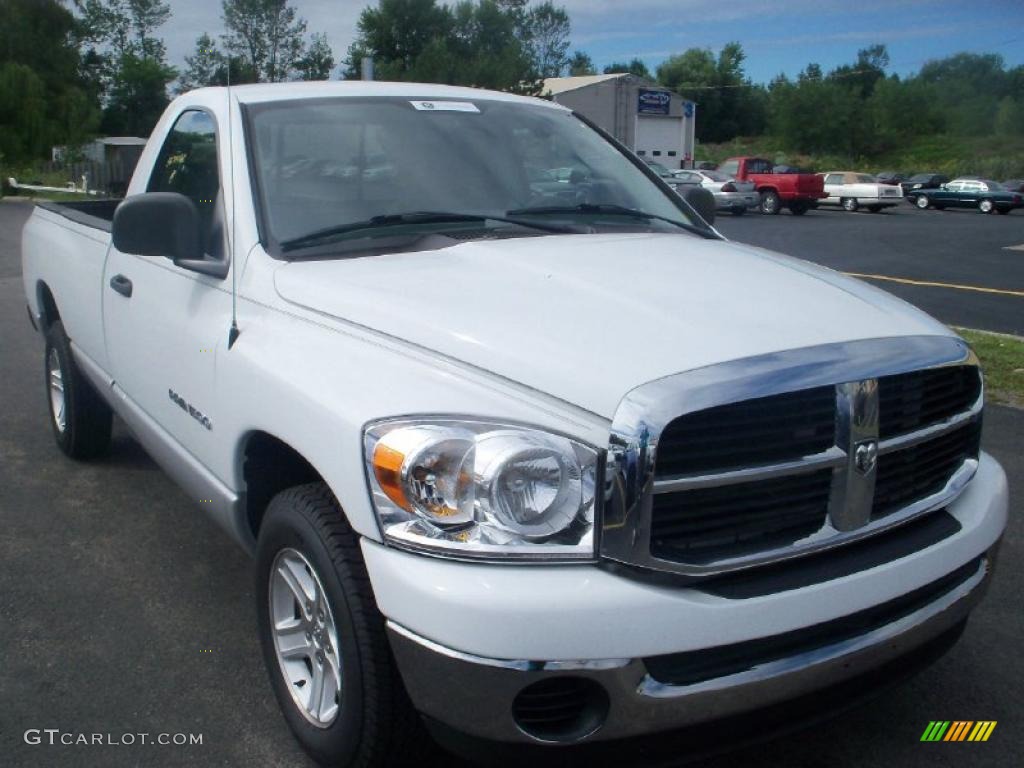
778, 36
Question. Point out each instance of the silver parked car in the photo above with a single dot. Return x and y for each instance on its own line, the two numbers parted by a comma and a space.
730, 195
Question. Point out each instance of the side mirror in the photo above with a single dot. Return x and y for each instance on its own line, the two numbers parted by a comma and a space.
702, 201
164, 224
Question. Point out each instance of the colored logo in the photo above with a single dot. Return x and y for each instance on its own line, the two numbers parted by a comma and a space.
651, 102
958, 730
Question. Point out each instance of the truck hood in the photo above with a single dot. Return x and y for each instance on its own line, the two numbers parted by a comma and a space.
586, 318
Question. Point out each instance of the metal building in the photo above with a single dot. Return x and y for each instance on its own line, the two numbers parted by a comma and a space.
653, 121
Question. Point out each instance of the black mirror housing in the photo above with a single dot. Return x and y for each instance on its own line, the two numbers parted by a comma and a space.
702, 201
158, 224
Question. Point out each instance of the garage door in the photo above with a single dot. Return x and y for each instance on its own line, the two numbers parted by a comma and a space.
661, 138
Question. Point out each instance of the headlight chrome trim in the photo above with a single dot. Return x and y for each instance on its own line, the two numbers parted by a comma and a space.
523, 554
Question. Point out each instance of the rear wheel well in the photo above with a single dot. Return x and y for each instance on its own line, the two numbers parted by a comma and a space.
270, 466
47, 306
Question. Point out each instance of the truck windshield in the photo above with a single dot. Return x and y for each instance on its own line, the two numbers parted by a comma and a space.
339, 169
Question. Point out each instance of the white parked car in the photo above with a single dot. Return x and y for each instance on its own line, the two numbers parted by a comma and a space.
854, 190
534, 467
730, 195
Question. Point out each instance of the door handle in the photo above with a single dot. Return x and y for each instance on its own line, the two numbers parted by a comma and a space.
122, 285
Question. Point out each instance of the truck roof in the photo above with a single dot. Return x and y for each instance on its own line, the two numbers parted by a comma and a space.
267, 92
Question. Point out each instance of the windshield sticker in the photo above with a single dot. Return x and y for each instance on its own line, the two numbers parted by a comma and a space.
445, 106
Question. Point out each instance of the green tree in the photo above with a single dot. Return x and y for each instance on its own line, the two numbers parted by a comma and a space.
203, 66
887, 109
395, 34
266, 35
865, 73
208, 65
968, 87
137, 97
1010, 117
23, 118
39, 36
634, 67
813, 114
127, 61
729, 104
318, 60
475, 42
580, 63
547, 29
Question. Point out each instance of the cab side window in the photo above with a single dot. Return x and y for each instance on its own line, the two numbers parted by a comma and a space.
188, 165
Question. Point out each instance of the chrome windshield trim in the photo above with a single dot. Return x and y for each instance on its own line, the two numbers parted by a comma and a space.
831, 458
644, 412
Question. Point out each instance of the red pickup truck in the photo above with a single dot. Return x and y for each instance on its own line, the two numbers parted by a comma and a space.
797, 191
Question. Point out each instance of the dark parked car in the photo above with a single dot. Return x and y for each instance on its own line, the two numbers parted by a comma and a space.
984, 194
1014, 185
890, 177
923, 181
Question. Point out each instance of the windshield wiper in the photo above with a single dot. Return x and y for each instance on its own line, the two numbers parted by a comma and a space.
413, 217
610, 208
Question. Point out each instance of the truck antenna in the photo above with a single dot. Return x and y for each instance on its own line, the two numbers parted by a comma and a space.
233, 331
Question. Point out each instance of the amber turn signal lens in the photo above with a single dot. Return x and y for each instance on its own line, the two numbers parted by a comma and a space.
387, 468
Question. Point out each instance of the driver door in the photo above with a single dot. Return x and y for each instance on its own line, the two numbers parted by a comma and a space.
165, 325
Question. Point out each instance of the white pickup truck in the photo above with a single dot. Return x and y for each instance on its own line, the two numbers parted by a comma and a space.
522, 462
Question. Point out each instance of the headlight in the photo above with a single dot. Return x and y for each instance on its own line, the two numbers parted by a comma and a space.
482, 489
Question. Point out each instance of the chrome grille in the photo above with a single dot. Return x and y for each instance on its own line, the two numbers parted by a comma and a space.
922, 470
918, 399
739, 475
766, 429
709, 523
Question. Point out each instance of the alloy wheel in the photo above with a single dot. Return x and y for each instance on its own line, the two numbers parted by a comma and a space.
305, 637
55, 376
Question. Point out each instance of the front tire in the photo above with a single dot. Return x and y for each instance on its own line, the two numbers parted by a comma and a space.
80, 419
770, 202
922, 202
986, 206
850, 204
323, 639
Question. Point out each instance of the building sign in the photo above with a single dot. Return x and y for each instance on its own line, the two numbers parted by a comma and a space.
652, 102
688, 108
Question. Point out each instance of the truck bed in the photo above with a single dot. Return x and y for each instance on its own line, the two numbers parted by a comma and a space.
91, 213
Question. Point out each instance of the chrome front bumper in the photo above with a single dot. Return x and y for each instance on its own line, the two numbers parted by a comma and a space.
477, 696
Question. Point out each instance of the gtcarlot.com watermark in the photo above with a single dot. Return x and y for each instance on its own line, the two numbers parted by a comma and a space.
57, 737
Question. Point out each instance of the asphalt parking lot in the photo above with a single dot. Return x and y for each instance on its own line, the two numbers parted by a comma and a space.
977, 259
123, 610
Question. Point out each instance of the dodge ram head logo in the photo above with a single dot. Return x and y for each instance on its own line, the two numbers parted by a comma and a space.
866, 457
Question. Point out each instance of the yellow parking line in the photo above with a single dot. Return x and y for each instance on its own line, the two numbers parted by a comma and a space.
930, 284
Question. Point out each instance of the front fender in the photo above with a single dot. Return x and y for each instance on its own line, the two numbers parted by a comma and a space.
315, 384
